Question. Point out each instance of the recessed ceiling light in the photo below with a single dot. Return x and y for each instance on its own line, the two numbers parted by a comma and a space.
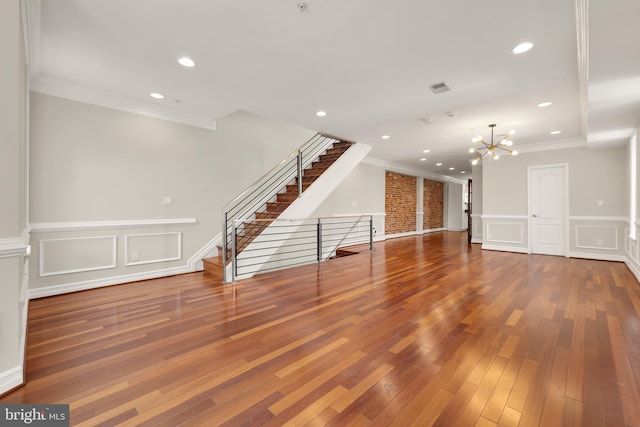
186, 62
438, 164
555, 132
321, 113
156, 95
426, 151
545, 104
452, 169
385, 137
423, 159
522, 48
463, 171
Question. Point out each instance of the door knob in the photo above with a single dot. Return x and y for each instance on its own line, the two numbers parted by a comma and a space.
535, 216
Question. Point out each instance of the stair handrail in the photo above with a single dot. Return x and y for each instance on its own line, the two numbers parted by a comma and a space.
257, 194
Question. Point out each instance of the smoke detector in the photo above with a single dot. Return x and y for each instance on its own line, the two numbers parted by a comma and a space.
302, 6
439, 88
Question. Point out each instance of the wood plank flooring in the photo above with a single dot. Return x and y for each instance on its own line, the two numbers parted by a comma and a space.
425, 331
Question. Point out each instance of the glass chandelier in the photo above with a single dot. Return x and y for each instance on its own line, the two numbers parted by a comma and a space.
492, 148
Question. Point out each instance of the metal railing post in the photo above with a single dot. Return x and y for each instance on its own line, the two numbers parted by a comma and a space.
299, 173
224, 247
234, 258
319, 241
370, 234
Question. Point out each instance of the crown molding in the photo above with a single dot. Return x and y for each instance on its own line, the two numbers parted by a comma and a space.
104, 98
404, 169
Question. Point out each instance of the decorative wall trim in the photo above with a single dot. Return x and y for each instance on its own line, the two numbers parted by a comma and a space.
111, 264
601, 227
476, 240
517, 242
10, 379
505, 248
12, 247
107, 99
601, 257
504, 216
128, 237
48, 227
600, 218
433, 230
103, 282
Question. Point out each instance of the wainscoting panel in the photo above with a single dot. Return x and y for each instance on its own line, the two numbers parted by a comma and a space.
598, 237
152, 247
476, 228
505, 232
77, 254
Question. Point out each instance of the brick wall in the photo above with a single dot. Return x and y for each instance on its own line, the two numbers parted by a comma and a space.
433, 204
400, 203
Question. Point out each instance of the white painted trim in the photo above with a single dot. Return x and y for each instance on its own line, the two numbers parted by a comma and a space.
209, 249
151, 261
601, 257
476, 215
405, 234
432, 230
615, 230
502, 248
456, 229
114, 245
560, 144
504, 217
107, 99
633, 267
519, 242
360, 214
47, 227
103, 282
12, 247
600, 218
11, 378
419, 213
476, 240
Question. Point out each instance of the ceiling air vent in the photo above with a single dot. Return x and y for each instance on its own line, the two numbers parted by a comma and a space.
440, 87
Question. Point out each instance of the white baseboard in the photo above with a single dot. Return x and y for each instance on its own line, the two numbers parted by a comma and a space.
11, 379
600, 257
633, 267
209, 249
501, 248
433, 230
456, 229
48, 291
476, 240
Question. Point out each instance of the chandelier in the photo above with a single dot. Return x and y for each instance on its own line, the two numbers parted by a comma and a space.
492, 148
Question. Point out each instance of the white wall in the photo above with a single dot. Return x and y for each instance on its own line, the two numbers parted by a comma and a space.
99, 176
455, 207
594, 175
14, 237
362, 192
476, 197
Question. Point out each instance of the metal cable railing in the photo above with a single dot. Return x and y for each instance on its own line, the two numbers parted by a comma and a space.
288, 171
285, 243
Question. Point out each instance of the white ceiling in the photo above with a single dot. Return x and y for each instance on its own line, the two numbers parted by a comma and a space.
367, 63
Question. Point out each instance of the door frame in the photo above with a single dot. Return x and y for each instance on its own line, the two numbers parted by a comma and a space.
564, 201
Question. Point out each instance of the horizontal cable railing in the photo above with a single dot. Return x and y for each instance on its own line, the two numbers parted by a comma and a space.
285, 243
288, 171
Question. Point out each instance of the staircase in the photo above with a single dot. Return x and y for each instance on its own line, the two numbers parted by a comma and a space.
273, 208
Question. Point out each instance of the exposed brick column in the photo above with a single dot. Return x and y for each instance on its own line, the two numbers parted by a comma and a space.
400, 203
433, 204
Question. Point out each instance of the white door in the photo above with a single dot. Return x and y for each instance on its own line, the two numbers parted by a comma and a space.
547, 211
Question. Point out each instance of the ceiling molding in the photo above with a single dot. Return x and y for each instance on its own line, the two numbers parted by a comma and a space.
561, 144
31, 22
404, 169
115, 101
582, 39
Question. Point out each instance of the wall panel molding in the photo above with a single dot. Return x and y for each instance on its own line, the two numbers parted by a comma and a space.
491, 228
607, 228
77, 254
152, 242
49, 227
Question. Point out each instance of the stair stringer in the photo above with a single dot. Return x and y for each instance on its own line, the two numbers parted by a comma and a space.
302, 207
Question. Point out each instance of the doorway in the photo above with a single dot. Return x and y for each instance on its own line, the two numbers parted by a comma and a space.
548, 209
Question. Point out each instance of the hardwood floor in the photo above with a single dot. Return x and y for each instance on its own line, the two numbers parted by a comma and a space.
426, 330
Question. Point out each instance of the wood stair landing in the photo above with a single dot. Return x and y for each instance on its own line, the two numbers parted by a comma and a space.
273, 209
